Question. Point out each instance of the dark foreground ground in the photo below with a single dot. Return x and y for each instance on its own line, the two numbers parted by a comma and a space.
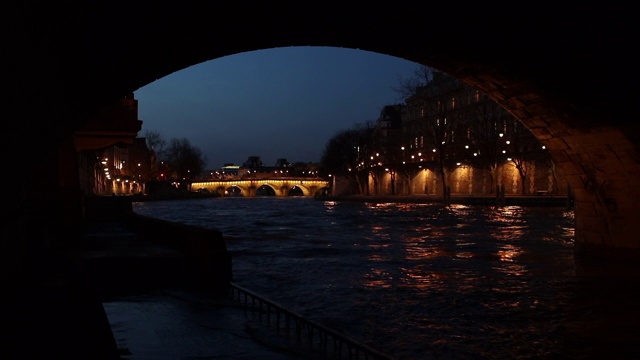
122, 297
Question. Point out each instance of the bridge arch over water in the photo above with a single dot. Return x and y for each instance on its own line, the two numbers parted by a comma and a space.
249, 187
556, 71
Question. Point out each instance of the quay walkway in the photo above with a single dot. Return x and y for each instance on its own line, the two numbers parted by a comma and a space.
122, 296
158, 308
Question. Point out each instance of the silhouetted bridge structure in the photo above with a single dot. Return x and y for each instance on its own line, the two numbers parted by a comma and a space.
250, 187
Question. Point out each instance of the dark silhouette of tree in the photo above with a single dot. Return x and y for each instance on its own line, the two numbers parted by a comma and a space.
406, 87
185, 161
388, 142
347, 154
392, 163
155, 142
156, 145
487, 121
409, 155
521, 146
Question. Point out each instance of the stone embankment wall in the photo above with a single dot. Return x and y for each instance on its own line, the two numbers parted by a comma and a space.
205, 247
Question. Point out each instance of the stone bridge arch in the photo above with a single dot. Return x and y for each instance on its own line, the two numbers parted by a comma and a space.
249, 187
556, 71
283, 187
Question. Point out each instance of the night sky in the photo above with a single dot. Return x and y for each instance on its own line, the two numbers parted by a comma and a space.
276, 103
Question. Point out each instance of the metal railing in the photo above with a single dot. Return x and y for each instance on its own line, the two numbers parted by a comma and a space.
329, 343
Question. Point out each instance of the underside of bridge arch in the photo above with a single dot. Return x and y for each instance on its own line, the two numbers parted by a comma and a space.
306, 191
554, 71
235, 190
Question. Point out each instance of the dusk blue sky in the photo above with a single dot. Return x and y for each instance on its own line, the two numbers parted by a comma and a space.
276, 103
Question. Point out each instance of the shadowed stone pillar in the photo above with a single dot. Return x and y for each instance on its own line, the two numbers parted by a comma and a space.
601, 167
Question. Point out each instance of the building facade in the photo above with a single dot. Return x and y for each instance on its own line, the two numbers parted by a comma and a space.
448, 138
111, 159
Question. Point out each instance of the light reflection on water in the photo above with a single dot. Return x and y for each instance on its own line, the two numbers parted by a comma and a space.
417, 281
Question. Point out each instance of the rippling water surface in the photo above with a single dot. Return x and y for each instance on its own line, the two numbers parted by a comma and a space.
423, 281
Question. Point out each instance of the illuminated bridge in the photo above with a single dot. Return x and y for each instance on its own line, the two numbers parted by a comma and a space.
251, 187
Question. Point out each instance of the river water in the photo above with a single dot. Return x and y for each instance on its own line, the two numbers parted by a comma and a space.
424, 281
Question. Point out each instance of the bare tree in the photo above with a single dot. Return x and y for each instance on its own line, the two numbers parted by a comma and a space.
407, 87
440, 118
435, 118
347, 154
487, 122
155, 142
156, 145
520, 145
185, 160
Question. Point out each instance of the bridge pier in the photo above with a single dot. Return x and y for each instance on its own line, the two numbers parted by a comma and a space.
605, 188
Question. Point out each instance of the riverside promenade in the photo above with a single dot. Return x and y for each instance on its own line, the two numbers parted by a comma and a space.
123, 295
